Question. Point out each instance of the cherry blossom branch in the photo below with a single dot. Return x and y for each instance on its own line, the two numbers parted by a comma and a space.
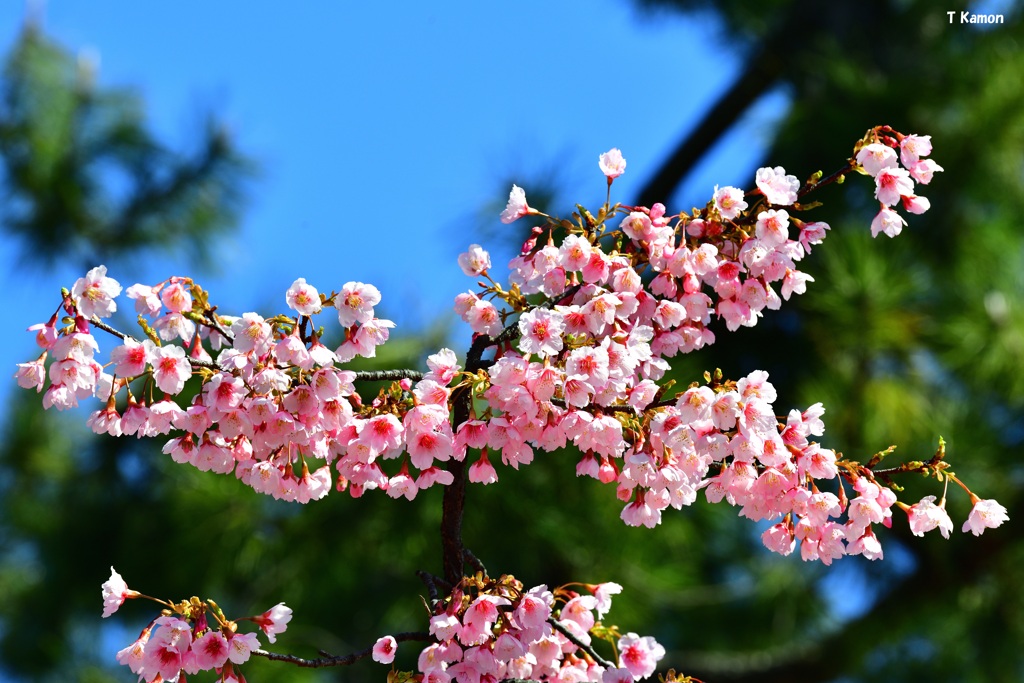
331, 660
474, 562
454, 500
836, 176
580, 644
431, 582
99, 324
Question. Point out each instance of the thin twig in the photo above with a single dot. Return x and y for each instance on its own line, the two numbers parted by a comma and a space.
580, 644
474, 561
323, 662
431, 582
195, 362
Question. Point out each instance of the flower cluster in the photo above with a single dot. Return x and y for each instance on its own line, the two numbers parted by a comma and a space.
582, 339
578, 343
494, 629
190, 636
895, 185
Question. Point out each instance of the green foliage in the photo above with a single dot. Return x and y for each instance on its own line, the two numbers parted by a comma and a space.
83, 176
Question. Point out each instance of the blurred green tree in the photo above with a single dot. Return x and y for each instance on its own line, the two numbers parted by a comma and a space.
83, 177
84, 181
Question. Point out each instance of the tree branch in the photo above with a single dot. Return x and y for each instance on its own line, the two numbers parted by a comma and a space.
580, 644
331, 660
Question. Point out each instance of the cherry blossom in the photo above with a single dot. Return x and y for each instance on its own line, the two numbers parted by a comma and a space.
986, 514
355, 303
926, 515
887, 221
94, 294
640, 655
517, 206
541, 332
171, 368
303, 298
274, 620
612, 164
115, 592
876, 157
475, 261
384, 650
777, 187
729, 202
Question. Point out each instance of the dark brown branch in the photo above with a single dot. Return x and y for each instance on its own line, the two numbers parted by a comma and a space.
346, 660
431, 582
474, 562
194, 362
453, 556
580, 644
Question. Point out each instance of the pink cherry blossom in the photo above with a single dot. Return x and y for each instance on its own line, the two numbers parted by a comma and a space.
94, 294
115, 592
444, 626
166, 648
777, 187
923, 171
355, 303
779, 539
252, 334
241, 645
773, 227
913, 147
517, 206
384, 650
303, 298
274, 620
482, 471
729, 202
541, 331
475, 261
132, 656
891, 184
926, 515
612, 164
46, 333
916, 205
211, 650
876, 157
171, 368
132, 357
147, 299
32, 375
812, 233
887, 221
176, 298
640, 656
617, 676
483, 318
603, 593
986, 514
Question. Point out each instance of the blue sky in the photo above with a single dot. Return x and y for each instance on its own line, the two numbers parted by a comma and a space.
382, 129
